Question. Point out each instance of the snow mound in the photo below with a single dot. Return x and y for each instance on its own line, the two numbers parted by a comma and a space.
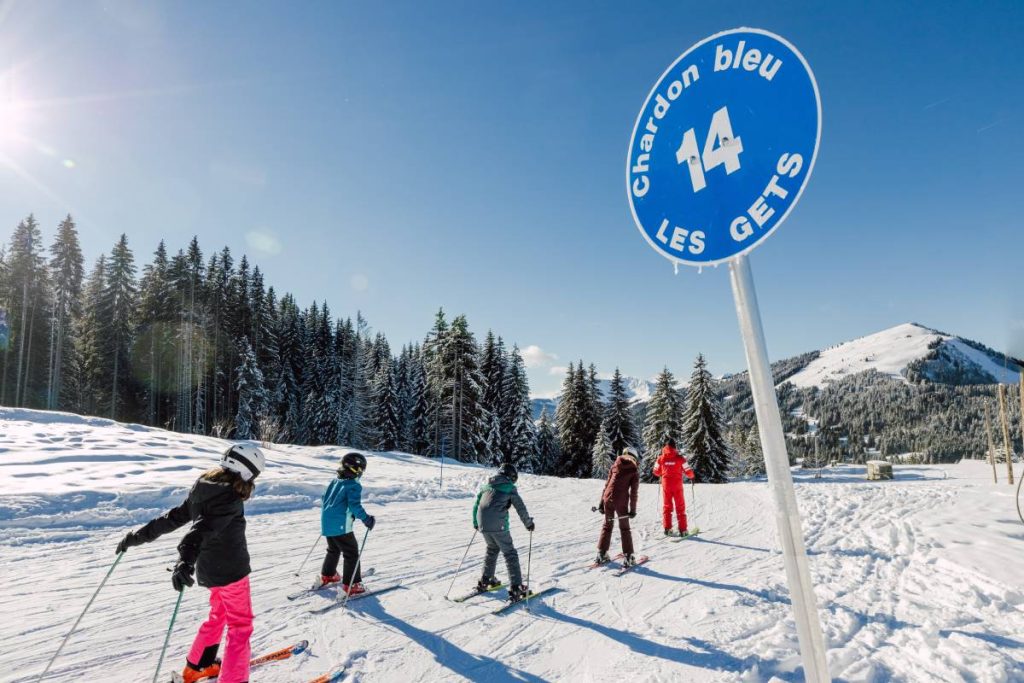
64, 470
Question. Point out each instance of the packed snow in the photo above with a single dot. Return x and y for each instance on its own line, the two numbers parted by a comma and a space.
890, 352
917, 579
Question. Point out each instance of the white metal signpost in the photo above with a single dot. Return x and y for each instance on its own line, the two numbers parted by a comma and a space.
721, 152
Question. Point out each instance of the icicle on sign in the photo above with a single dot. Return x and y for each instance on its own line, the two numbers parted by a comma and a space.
723, 146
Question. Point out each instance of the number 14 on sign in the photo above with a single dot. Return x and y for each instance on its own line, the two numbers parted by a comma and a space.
721, 147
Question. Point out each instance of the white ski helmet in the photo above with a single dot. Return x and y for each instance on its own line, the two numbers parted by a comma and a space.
246, 459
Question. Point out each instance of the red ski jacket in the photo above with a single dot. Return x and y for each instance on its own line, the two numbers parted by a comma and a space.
671, 467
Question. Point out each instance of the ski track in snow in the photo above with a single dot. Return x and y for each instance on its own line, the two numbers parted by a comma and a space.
904, 587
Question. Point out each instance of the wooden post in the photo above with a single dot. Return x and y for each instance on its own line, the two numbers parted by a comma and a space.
991, 444
1006, 432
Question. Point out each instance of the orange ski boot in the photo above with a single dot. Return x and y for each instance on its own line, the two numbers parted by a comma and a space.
192, 673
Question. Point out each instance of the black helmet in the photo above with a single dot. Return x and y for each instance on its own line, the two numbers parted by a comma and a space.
510, 471
670, 442
353, 465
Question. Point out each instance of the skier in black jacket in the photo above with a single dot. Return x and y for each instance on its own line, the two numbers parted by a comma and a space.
214, 548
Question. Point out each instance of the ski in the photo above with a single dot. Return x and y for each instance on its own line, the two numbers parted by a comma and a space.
275, 656
688, 534
316, 589
473, 594
529, 596
341, 600
639, 561
332, 677
595, 565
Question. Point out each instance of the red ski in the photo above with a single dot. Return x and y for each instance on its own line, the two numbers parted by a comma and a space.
639, 561
275, 656
595, 565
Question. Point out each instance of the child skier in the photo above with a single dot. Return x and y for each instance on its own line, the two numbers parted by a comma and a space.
215, 549
671, 467
619, 499
490, 517
342, 505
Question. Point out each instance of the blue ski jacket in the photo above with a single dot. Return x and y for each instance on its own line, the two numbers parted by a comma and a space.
342, 505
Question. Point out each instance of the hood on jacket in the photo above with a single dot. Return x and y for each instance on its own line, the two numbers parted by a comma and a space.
670, 451
501, 482
625, 461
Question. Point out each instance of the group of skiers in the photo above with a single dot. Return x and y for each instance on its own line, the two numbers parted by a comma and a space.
215, 550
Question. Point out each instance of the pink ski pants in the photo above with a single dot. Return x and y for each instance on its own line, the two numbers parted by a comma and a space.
230, 606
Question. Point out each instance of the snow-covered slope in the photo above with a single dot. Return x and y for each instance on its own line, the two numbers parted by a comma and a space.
918, 579
936, 356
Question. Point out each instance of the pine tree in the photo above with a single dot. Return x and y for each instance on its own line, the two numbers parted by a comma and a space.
574, 419
708, 453
435, 366
420, 428
120, 301
519, 434
548, 451
93, 388
252, 394
386, 409
618, 416
154, 335
493, 370
27, 299
463, 391
754, 456
67, 272
662, 422
602, 454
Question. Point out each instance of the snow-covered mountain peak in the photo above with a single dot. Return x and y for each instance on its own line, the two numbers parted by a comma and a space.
907, 351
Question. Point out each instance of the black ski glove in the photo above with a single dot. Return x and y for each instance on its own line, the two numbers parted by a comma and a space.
632, 515
531, 526
130, 540
182, 575
600, 507
370, 521
476, 527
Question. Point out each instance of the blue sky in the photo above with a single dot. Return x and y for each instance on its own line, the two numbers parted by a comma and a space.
399, 157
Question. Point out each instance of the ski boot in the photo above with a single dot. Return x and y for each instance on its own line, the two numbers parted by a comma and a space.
353, 588
323, 580
518, 592
683, 533
668, 532
487, 583
628, 560
602, 558
193, 673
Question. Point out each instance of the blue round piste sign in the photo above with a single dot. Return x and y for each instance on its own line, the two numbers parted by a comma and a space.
723, 147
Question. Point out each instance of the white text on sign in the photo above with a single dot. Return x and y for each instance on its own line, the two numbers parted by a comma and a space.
738, 57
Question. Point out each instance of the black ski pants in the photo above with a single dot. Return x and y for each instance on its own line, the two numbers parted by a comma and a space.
346, 545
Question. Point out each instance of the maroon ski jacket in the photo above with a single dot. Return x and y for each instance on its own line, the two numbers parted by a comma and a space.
622, 487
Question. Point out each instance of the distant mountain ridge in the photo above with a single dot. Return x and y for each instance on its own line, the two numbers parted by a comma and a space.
909, 351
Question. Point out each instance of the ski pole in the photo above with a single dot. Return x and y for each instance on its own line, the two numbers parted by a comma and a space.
464, 555
167, 638
529, 558
87, 606
359, 558
308, 554
693, 501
